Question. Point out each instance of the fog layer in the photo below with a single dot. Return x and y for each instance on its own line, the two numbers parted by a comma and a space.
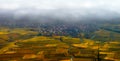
66, 10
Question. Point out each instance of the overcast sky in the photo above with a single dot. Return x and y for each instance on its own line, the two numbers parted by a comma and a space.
59, 4
63, 8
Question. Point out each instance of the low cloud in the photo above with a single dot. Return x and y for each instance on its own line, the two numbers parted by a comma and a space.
63, 9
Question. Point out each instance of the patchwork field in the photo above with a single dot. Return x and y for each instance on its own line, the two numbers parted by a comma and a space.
24, 45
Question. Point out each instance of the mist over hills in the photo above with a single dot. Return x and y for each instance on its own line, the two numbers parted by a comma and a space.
70, 15
70, 22
46, 11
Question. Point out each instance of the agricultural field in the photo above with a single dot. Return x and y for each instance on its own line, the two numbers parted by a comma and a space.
25, 45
